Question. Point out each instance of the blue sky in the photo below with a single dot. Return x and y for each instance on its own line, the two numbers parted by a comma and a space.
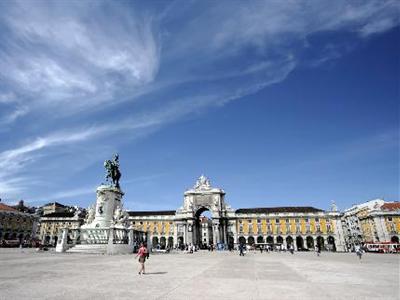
277, 102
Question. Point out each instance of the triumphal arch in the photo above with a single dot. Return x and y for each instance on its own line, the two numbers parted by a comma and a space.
200, 198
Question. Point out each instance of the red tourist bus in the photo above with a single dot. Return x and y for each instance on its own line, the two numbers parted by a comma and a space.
383, 247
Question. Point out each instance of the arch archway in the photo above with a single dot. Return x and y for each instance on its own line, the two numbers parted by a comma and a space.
279, 240
202, 228
154, 241
289, 240
299, 243
163, 242
242, 240
331, 243
310, 242
321, 242
260, 239
231, 242
250, 240
180, 242
170, 242
395, 239
270, 239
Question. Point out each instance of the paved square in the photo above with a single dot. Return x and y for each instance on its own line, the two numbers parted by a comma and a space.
202, 275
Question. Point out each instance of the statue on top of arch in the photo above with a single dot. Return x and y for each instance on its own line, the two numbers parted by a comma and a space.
203, 183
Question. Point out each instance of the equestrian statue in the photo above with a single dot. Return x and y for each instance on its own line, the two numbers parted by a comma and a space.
112, 168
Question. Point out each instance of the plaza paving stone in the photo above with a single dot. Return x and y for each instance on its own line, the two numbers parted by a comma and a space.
202, 275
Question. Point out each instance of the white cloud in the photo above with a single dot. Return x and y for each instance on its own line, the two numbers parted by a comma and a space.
14, 115
79, 58
7, 98
78, 54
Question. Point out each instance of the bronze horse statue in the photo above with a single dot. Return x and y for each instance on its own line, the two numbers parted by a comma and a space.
112, 168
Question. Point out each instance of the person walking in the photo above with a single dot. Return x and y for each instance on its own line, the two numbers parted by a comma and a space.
358, 250
317, 250
291, 248
142, 254
241, 253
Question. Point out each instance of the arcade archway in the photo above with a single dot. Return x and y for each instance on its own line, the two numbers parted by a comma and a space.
395, 239
321, 243
299, 243
163, 242
250, 240
170, 242
154, 241
331, 243
310, 242
242, 240
289, 240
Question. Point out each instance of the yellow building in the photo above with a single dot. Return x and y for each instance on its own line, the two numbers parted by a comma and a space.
52, 223
381, 224
301, 227
159, 224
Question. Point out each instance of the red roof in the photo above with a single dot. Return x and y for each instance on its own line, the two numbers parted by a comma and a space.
4, 207
391, 206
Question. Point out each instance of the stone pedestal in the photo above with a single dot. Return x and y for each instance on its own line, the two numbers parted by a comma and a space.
108, 199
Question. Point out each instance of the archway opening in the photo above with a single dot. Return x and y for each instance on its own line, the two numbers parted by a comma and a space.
250, 240
321, 243
231, 242
331, 243
163, 242
395, 239
154, 242
260, 240
242, 240
270, 240
289, 241
170, 242
180, 242
279, 240
203, 231
310, 242
299, 243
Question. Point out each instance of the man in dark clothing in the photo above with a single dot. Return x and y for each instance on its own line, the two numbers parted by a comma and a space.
241, 246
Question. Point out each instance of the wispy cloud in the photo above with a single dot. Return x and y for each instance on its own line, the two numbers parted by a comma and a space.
67, 68
59, 54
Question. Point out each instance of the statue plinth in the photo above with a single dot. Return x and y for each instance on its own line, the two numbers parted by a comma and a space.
109, 198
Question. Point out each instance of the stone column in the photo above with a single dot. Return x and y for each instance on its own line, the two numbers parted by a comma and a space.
176, 234
62, 245
216, 233
190, 229
185, 234
130, 236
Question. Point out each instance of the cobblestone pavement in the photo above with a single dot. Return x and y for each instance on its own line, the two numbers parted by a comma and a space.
202, 275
